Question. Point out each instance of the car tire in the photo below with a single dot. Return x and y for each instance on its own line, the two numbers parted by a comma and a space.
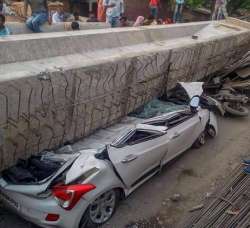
211, 132
90, 218
200, 141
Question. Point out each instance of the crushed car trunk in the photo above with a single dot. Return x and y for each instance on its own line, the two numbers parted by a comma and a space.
37, 169
35, 174
31, 171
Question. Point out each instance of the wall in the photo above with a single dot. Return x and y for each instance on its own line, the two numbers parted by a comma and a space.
60, 87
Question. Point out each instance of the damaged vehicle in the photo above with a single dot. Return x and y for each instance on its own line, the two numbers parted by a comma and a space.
230, 100
79, 186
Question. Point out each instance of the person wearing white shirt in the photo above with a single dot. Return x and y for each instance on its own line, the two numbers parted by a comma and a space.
114, 10
178, 10
58, 16
4, 10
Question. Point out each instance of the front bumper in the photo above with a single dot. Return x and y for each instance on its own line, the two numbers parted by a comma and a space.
35, 210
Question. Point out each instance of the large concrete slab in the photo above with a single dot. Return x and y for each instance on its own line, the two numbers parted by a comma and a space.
27, 47
57, 87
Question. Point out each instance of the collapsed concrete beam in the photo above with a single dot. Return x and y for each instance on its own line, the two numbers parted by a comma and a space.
44, 45
64, 96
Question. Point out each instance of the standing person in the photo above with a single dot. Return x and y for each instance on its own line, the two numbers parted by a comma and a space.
114, 10
101, 15
4, 31
220, 10
3, 8
154, 6
39, 14
178, 11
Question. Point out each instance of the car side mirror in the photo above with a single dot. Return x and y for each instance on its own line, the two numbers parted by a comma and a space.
194, 103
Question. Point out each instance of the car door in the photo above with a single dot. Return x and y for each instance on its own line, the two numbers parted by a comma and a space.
182, 136
136, 161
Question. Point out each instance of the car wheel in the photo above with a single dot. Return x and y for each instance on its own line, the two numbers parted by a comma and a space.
211, 131
101, 210
200, 141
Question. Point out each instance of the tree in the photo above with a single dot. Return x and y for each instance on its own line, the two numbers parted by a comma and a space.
233, 5
195, 3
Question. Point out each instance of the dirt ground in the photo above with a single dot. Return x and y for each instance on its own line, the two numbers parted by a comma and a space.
192, 176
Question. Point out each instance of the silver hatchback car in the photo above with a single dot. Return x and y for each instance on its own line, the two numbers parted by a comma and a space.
78, 187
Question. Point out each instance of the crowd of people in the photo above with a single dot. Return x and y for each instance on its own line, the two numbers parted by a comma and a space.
112, 11
109, 11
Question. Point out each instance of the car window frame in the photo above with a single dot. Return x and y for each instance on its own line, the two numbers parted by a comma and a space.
155, 134
180, 120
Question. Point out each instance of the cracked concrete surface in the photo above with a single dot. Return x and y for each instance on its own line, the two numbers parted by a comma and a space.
58, 87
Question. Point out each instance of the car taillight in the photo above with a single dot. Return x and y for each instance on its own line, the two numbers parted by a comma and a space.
52, 217
67, 196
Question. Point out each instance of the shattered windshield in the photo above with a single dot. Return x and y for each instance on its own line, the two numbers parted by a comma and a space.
156, 107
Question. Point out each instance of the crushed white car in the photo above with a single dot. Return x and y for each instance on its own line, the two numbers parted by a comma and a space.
79, 186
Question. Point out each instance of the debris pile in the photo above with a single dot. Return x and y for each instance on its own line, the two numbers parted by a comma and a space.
231, 87
227, 207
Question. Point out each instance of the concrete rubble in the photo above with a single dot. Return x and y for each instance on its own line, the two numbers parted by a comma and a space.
58, 87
